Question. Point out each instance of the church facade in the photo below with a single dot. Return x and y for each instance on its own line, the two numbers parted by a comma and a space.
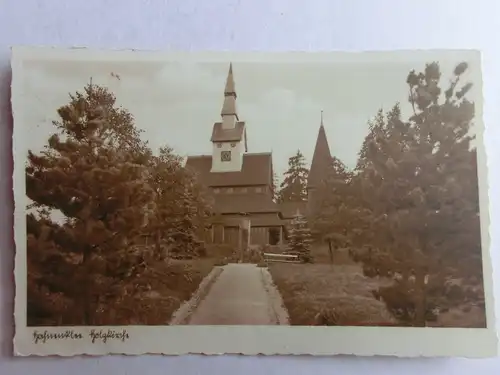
240, 182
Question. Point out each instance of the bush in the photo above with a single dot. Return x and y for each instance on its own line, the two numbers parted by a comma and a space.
253, 255
306, 258
202, 251
221, 262
219, 251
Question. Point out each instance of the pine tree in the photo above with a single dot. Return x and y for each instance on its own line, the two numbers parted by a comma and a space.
376, 128
181, 207
166, 180
294, 185
275, 188
189, 225
419, 182
93, 171
300, 238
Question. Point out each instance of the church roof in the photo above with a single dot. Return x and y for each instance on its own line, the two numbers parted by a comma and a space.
321, 159
256, 170
228, 135
244, 203
268, 221
229, 105
230, 87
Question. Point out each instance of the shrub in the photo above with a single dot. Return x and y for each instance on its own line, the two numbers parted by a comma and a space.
219, 251
221, 262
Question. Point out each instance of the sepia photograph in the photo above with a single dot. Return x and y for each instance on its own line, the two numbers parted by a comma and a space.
339, 192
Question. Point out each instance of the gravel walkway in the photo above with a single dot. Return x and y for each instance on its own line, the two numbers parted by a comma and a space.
243, 294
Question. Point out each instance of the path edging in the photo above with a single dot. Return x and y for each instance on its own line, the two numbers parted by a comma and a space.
278, 308
184, 312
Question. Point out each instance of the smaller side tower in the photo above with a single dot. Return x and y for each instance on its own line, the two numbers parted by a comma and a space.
321, 160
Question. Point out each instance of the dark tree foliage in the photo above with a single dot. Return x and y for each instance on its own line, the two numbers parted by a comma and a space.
94, 171
300, 238
335, 214
181, 210
275, 188
294, 185
418, 180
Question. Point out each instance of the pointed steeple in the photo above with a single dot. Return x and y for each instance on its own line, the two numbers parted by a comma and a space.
321, 158
230, 90
229, 113
229, 136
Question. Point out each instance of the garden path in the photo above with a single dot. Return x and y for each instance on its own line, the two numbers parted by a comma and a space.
243, 294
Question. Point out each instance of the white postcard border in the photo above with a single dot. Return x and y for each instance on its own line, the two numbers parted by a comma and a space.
249, 340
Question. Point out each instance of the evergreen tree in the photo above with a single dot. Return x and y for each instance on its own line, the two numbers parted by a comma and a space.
275, 188
165, 179
300, 238
375, 127
294, 185
419, 182
190, 224
93, 171
181, 208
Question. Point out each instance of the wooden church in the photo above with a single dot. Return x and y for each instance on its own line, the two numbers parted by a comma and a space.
240, 182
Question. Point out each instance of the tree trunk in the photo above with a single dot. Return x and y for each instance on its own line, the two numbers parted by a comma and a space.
86, 302
330, 250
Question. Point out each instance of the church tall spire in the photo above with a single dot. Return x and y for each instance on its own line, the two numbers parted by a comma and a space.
229, 89
321, 158
229, 113
229, 141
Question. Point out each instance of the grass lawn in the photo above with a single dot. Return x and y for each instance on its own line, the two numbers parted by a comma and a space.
314, 293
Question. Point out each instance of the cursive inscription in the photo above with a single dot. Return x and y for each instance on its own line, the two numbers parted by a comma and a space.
43, 337
110, 334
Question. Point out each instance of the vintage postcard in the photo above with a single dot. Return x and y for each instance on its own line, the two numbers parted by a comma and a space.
290, 203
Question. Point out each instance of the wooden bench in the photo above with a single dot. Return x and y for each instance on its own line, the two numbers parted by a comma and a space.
284, 258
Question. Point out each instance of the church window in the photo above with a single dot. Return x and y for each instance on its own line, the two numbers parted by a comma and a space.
216, 191
230, 190
219, 145
225, 156
274, 236
233, 144
258, 190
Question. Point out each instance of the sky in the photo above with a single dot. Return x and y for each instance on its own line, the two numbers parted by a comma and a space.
176, 103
